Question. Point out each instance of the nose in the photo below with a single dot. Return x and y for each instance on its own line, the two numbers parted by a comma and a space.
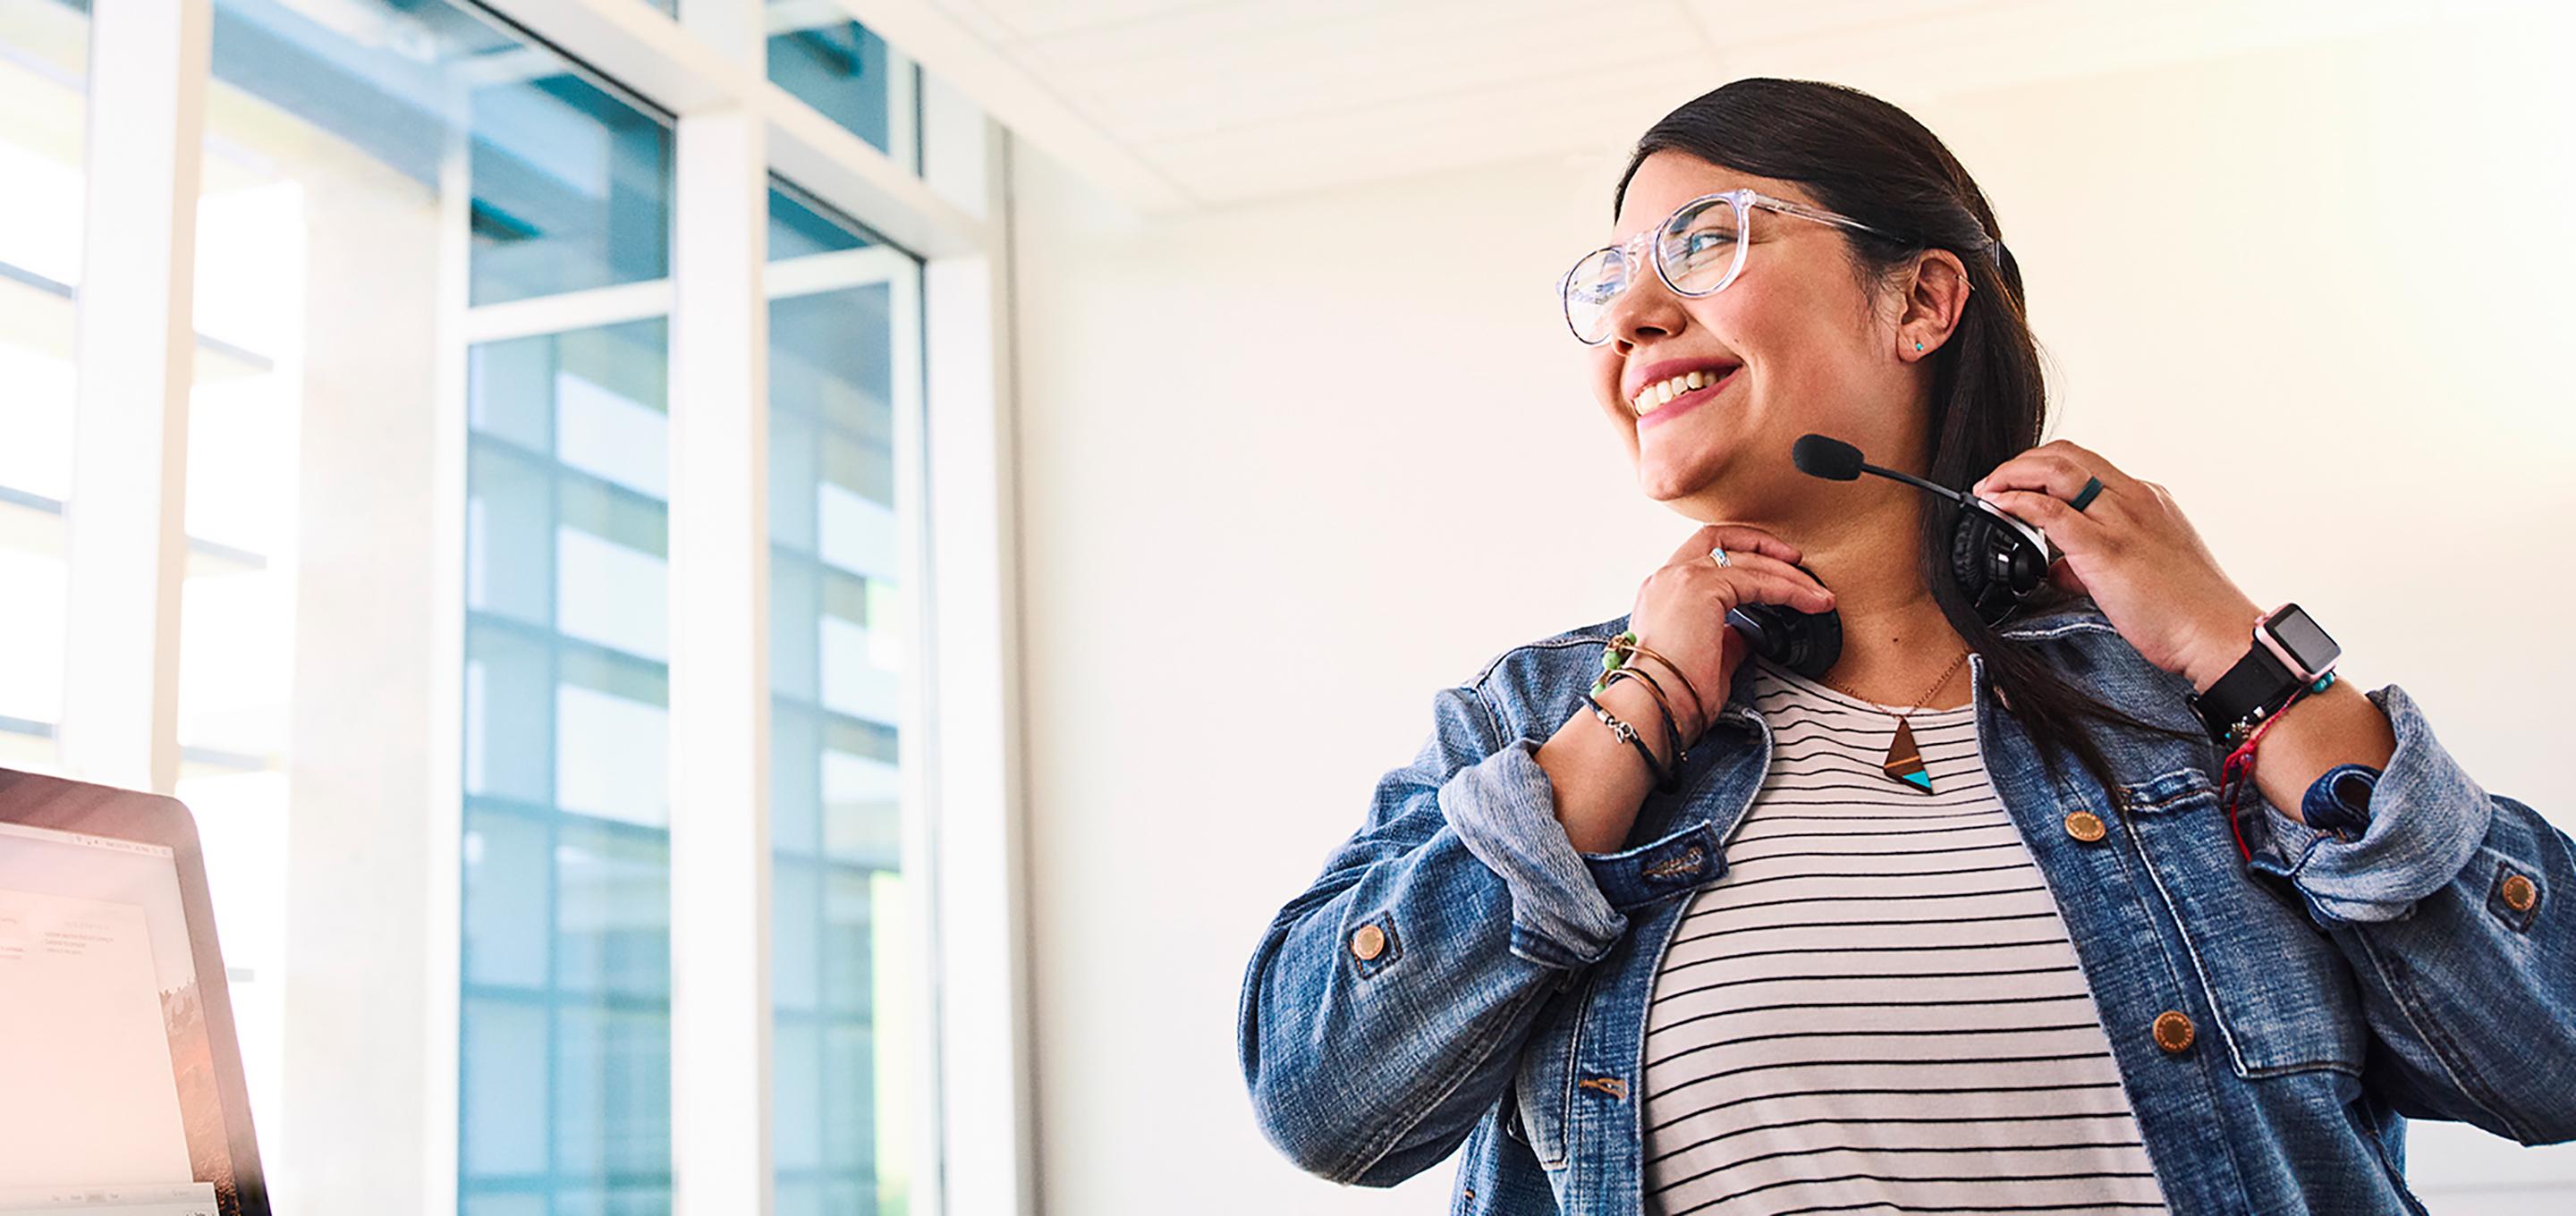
1647, 310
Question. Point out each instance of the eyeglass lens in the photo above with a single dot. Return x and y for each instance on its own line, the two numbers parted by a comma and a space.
1699, 251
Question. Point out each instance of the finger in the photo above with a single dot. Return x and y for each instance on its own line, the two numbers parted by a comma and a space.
1696, 547
1766, 567
2058, 473
2046, 512
1734, 538
1737, 538
1757, 584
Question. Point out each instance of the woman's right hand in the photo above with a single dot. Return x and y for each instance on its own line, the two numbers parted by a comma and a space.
1681, 609
1597, 780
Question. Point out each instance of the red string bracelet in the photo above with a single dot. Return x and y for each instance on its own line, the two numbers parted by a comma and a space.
2235, 776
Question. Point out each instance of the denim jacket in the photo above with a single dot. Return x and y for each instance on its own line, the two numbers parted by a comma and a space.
2425, 967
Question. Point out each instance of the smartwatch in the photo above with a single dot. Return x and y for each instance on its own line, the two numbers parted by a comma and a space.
2290, 654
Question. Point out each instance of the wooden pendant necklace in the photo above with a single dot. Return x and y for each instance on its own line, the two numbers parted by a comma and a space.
1904, 763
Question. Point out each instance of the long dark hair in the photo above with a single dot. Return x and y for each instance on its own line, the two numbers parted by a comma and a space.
1873, 162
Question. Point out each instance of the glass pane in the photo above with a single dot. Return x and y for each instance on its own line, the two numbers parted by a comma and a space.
798, 227
356, 149
567, 898
509, 882
843, 69
44, 54
844, 984
570, 184
572, 189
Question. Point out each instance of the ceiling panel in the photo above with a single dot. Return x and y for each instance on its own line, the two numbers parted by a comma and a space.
1178, 83
1589, 111
1174, 103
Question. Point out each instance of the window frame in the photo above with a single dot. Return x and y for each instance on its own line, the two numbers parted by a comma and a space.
704, 68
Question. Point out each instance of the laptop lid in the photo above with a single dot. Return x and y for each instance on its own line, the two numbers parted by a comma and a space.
125, 1094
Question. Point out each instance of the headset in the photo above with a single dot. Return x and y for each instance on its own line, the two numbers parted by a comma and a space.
1997, 560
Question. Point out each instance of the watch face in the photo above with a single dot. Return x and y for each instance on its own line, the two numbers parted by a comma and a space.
2306, 643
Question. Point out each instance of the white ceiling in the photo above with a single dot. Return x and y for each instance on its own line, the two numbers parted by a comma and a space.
1177, 104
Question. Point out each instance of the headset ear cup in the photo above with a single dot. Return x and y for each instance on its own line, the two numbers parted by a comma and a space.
1997, 567
1972, 564
2029, 567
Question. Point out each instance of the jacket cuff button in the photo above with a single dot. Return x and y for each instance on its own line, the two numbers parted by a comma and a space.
2173, 1032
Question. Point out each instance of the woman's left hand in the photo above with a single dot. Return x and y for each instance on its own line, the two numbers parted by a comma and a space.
2132, 550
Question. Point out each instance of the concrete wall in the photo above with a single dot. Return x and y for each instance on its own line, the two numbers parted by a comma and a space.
1288, 468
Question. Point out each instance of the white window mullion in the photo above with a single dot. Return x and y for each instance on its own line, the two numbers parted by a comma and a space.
443, 1016
126, 547
566, 311
721, 1107
986, 1130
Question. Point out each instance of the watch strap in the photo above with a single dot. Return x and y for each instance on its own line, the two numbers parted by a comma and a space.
2254, 689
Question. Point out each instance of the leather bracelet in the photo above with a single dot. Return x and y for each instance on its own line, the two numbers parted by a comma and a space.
1628, 734
1672, 730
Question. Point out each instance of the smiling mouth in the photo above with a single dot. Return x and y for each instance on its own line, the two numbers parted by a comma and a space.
1658, 395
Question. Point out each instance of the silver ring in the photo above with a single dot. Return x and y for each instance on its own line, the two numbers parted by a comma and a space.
1719, 556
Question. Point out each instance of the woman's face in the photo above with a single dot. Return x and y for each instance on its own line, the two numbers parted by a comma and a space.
1797, 343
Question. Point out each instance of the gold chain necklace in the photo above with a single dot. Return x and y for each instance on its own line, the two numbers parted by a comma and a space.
1904, 763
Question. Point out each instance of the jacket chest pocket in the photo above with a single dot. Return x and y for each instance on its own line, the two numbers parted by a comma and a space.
2284, 996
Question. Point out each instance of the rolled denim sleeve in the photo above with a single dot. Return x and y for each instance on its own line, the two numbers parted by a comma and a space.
2454, 909
2427, 818
1505, 812
1385, 1006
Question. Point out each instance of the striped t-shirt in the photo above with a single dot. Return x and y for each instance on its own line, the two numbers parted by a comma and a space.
1877, 1008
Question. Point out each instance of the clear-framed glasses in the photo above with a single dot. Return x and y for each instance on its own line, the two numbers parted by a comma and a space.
1696, 252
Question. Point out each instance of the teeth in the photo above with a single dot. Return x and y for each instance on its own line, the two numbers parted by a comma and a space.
1656, 396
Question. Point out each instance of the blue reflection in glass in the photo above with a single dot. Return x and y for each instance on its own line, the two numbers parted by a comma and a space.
799, 226
840, 68
837, 652
571, 183
565, 1065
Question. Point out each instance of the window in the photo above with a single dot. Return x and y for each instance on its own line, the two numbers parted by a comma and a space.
844, 70
844, 932
44, 49
425, 683
567, 988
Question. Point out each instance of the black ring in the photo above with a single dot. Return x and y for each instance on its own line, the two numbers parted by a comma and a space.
2084, 497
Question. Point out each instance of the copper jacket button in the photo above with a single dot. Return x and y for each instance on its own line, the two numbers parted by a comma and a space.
2086, 826
2173, 1032
2518, 893
1368, 942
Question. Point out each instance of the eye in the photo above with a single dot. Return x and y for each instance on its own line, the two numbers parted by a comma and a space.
1700, 245
1707, 241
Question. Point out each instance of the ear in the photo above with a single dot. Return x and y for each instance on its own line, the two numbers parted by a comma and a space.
1934, 296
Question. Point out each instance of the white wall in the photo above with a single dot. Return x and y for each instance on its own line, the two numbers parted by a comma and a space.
1288, 468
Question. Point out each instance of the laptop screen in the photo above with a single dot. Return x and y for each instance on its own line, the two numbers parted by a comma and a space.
117, 1073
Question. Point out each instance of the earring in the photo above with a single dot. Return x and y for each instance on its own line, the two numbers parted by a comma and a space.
1918, 346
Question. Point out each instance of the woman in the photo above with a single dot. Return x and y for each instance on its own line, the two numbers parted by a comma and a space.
1960, 923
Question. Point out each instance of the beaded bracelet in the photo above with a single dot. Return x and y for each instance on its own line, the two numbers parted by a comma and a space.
1628, 734
1615, 656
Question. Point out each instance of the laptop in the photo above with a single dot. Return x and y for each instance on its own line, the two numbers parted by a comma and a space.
123, 1093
